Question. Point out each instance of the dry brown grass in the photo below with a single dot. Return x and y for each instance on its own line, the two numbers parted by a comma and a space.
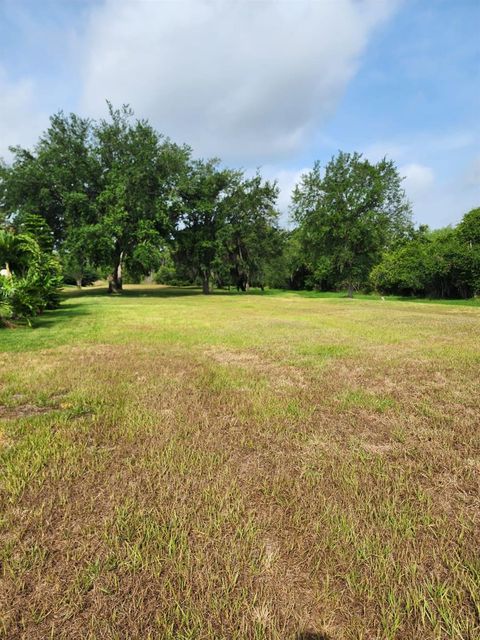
242, 467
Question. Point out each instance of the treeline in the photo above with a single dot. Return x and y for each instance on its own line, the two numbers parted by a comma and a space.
440, 264
121, 201
354, 230
115, 199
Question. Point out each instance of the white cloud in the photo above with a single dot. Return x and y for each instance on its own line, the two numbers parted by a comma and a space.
472, 175
402, 149
392, 150
286, 180
440, 200
419, 179
20, 120
455, 140
442, 171
243, 80
448, 205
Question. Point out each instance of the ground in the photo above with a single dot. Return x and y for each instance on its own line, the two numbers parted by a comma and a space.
178, 466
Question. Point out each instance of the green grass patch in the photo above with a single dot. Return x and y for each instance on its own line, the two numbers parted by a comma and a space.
361, 399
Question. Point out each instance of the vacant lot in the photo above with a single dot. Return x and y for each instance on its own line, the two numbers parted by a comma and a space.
229, 467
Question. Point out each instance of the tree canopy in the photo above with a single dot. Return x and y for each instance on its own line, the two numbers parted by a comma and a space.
115, 199
347, 216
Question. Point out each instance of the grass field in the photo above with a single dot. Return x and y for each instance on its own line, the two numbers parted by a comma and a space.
177, 466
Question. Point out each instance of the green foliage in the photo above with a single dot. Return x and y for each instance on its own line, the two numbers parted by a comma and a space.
406, 270
56, 180
284, 266
88, 276
139, 175
30, 280
443, 263
35, 226
103, 190
469, 228
250, 239
227, 230
167, 272
117, 199
201, 213
347, 217
17, 251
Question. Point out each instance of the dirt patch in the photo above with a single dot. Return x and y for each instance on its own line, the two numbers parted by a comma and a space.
4, 441
280, 375
225, 356
23, 411
377, 449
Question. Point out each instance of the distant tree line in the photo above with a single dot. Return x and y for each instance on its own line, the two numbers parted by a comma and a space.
440, 264
115, 199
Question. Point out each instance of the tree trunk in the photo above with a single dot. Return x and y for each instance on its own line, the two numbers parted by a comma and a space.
115, 280
350, 291
79, 282
206, 285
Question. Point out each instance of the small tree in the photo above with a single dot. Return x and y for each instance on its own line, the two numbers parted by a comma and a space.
469, 234
30, 279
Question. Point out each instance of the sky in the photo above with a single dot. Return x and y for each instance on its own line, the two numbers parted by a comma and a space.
264, 84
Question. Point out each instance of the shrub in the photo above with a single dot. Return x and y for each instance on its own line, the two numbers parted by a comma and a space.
30, 281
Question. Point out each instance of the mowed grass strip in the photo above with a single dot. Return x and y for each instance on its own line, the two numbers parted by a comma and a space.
240, 466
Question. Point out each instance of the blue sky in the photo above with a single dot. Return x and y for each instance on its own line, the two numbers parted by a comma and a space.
274, 84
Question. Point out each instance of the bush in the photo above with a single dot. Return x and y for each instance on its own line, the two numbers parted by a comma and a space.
168, 274
30, 281
441, 264
89, 276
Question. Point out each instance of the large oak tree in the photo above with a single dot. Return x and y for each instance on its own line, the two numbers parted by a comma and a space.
105, 189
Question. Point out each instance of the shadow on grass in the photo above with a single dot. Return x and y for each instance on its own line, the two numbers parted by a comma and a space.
312, 635
22, 337
55, 317
64, 311
159, 291
144, 291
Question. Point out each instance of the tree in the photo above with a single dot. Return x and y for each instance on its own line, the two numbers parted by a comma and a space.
407, 269
250, 236
139, 173
57, 181
201, 216
469, 228
53, 190
227, 227
104, 189
288, 268
35, 226
348, 216
469, 233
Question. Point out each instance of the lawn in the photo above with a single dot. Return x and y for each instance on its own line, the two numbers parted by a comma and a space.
229, 467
